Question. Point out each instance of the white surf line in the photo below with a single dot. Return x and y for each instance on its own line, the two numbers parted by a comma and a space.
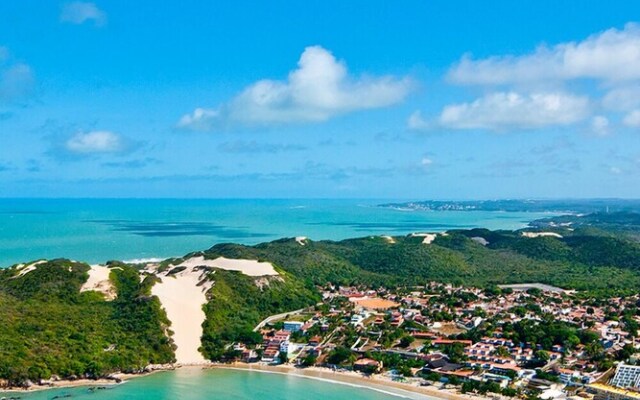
406, 394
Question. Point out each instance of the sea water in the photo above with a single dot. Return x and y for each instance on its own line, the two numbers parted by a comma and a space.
98, 230
195, 384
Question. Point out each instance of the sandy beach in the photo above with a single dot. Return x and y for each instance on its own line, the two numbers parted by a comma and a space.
380, 383
376, 382
115, 379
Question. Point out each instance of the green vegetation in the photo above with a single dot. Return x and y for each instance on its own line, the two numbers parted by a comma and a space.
50, 328
239, 302
585, 259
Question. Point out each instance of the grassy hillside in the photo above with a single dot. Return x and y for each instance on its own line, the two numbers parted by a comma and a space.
49, 327
239, 302
585, 259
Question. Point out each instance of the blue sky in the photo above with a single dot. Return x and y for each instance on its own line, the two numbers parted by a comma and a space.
412, 99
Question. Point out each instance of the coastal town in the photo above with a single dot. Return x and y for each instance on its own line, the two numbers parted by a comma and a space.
528, 341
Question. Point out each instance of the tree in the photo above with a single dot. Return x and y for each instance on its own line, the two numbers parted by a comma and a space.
454, 380
502, 351
542, 355
407, 340
340, 355
455, 352
594, 350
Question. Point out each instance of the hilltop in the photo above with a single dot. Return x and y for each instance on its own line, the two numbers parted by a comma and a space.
64, 320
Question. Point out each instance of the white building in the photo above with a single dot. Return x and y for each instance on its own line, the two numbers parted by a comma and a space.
626, 376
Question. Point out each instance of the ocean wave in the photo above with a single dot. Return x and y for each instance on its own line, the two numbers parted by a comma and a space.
144, 260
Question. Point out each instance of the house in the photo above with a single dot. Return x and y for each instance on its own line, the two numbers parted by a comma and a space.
573, 377
270, 355
501, 380
249, 356
367, 365
315, 341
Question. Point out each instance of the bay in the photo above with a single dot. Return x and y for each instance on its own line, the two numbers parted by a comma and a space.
98, 230
197, 384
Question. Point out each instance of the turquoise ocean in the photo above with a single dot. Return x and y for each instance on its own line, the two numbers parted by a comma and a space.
97, 230
196, 384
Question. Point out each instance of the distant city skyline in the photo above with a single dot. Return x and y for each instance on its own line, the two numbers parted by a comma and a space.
422, 100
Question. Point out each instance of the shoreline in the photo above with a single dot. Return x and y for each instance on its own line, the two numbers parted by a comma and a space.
116, 379
378, 383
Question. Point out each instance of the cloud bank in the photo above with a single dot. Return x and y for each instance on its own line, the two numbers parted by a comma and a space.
79, 12
16, 78
317, 90
511, 110
95, 142
612, 55
518, 94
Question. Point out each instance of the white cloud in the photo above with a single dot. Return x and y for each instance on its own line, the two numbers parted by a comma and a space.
15, 81
425, 162
320, 88
200, 119
510, 110
600, 125
16, 78
623, 98
615, 170
417, 122
632, 119
612, 56
78, 12
95, 142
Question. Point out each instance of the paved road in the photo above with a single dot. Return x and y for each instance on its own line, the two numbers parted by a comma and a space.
276, 317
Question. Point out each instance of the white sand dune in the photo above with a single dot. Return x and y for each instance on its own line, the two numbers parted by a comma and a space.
184, 293
388, 238
541, 234
247, 267
182, 297
99, 281
26, 268
480, 240
427, 238
302, 240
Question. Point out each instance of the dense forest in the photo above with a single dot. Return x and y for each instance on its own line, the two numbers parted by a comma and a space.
598, 261
49, 327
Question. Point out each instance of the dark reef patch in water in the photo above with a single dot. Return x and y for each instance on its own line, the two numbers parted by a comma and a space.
169, 229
